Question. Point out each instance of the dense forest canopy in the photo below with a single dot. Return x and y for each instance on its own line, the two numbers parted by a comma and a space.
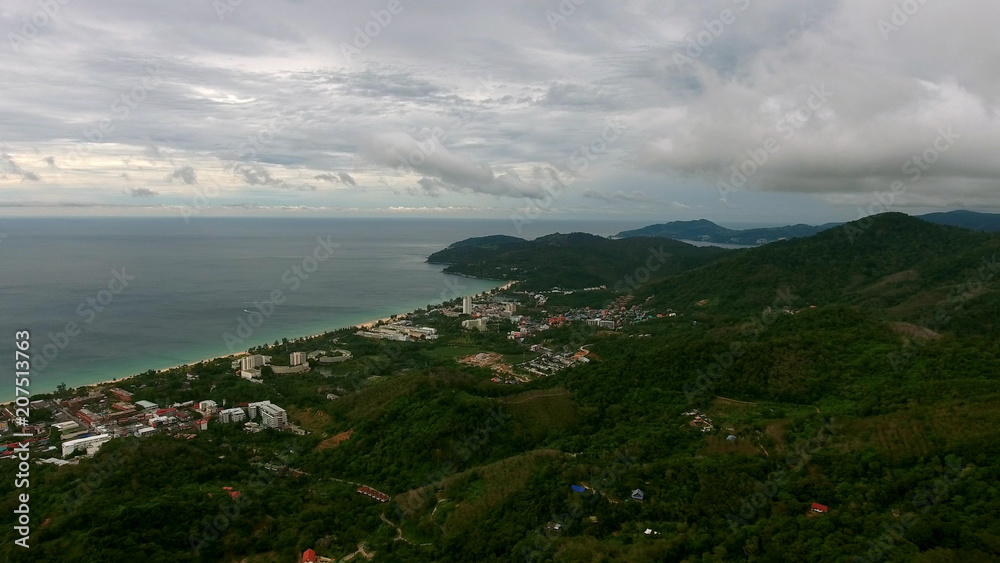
828, 398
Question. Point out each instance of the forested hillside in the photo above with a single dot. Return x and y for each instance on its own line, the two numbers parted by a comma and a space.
831, 398
572, 261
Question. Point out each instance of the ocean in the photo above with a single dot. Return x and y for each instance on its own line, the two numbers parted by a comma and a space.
105, 298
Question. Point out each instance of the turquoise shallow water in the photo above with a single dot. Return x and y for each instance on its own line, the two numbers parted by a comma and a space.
153, 293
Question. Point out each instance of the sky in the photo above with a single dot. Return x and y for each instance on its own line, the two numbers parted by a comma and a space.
739, 111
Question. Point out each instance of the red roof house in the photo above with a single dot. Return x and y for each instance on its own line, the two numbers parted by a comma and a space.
308, 556
372, 493
817, 507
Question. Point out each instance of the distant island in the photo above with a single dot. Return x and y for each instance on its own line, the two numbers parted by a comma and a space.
707, 231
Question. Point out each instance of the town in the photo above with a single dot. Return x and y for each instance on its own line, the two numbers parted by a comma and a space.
81, 424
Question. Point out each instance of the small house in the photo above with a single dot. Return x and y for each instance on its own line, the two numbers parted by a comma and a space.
818, 508
638, 494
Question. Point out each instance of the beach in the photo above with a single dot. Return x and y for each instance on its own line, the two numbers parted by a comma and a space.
367, 324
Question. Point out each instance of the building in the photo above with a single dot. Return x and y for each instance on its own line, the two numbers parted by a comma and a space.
208, 407
88, 416
158, 421
297, 358
601, 323
425, 332
253, 409
273, 416
90, 444
232, 415
467, 305
478, 324
818, 508
283, 370
308, 556
64, 426
253, 361
510, 308
372, 493
146, 405
250, 373
76, 402
333, 359
121, 394
638, 494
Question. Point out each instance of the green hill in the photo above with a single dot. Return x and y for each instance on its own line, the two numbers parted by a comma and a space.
570, 261
987, 222
894, 263
708, 231
869, 386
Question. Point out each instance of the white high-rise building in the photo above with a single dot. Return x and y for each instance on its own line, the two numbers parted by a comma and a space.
273, 416
251, 362
297, 358
253, 409
467, 305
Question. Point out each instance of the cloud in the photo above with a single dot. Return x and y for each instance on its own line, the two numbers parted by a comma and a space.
8, 166
327, 178
807, 110
636, 196
442, 169
268, 88
152, 153
185, 174
143, 192
347, 179
257, 175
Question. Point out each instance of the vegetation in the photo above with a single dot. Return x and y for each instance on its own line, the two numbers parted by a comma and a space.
869, 386
708, 231
572, 261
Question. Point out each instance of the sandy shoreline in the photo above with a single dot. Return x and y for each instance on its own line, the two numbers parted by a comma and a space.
367, 324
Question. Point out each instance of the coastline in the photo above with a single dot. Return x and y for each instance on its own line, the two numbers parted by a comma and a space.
366, 324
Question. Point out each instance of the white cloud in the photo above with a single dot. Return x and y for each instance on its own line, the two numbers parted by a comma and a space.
266, 87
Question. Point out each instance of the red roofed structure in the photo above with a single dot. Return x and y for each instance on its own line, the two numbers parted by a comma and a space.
370, 492
235, 494
308, 556
817, 507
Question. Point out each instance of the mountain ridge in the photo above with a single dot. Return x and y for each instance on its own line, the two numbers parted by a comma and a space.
705, 230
